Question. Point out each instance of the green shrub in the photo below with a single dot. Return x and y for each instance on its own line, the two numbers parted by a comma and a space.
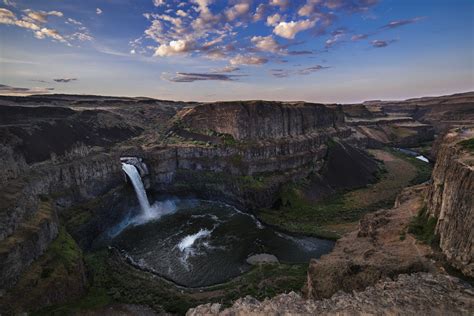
468, 144
423, 227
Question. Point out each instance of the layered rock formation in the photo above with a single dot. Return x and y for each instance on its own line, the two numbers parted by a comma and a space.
451, 199
256, 120
270, 143
416, 294
411, 122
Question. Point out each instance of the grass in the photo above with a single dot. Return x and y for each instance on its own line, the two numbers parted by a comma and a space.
115, 282
43, 215
423, 169
423, 227
228, 140
339, 213
266, 280
467, 144
49, 277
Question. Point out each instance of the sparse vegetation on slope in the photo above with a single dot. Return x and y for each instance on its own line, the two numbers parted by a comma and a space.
113, 282
468, 144
423, 227
339, 213
57, 275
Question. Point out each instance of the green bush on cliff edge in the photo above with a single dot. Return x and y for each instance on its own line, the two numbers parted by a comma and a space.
423, 227
468, 144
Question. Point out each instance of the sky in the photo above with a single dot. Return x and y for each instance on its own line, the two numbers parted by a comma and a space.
207, 50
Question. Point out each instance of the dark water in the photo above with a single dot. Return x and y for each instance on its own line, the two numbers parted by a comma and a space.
199, 243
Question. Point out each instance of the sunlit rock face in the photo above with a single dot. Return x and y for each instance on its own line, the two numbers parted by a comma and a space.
258, 120
451, 201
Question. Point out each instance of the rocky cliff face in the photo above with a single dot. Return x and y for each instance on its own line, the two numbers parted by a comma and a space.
271, 143
451, 199
25, 231
258, 120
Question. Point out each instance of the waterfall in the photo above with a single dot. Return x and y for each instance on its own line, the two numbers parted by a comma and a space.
137, 183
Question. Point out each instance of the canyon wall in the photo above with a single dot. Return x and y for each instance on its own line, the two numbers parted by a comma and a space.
256, 120
26, 229
451, 199
272, 143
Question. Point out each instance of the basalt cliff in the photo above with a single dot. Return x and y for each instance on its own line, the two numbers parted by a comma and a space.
62, 185
383, 267
450, 199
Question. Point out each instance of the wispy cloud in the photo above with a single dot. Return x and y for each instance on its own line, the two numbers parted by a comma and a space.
226, 69
398, 23
65, 80
247, 60
191, 77
9, 90
358, 37
283, 73
381, 43
337, 36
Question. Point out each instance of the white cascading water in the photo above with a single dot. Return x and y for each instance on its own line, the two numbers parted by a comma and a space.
137, 183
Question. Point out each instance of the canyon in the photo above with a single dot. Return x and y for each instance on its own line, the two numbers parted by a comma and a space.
63, 186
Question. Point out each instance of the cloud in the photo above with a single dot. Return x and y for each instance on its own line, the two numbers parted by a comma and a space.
223, 30
336, 37
9, 90
247, 60
41, 16
300, 52
260, 12
310, 70
283, 4
181, 13
158, 3
273, 20
289, 30
309, 8
46, 32
9, 3
237, 11
173, 48
283, 73
398, 23
65, 80
72, 21
191, 77
381, 43
266, 44
36, 21
80, 37
98, 11
350, 5
226, 69
358, 37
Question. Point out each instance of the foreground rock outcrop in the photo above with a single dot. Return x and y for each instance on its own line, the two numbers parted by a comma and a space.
451, 199
379, 249
416, 294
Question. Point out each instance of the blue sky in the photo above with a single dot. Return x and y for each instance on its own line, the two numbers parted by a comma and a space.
313, 50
